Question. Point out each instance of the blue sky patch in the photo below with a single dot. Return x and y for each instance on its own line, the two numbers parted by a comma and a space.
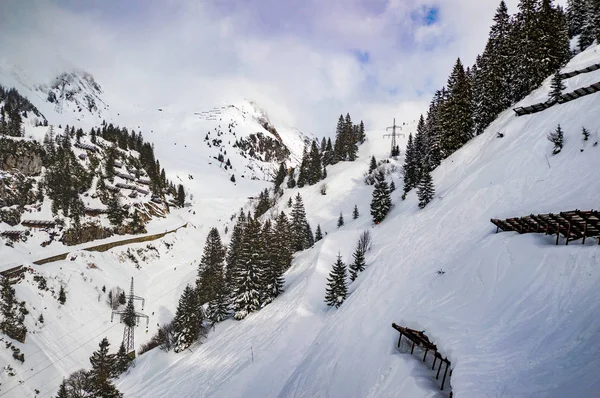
426, 15
362, 56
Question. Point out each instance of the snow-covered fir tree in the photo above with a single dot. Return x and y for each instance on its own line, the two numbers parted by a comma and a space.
340, 221
103, 365
246, 294
355, 213
187, 324
426, 190
273, 267
299, 223
557, 138
409, 167
210, 270
585, 133
556, 87
318, 233
358, 265
381, 201
372, 164
337, 288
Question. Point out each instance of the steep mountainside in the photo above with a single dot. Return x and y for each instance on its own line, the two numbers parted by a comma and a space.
516, 315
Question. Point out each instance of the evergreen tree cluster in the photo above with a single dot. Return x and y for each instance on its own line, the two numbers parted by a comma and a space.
313, 167
13, 312
347, 138
336, 291
583, 19
96, 382
246, 276
13, 108
522, 50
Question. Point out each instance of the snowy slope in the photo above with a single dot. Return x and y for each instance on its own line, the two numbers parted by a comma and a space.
161, 268
516, 315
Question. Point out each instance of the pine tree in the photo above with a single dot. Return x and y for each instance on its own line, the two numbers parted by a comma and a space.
556, 138
340, 221
318, 233
116, 215
373, 164
339, 149
247, 278
122, 361
457, 110
232, 179
358, 265
409, 167
314, 164
299, 225
263, 205
62, 295
350, 139
280, 177
187, 324
310, 238
557, 87
381, 201
425, 190
180, 195
103, 365
272, 267
392, 186
585, 133
361, 133
355, 213
284, 242
303, 172
289, 202
337, 290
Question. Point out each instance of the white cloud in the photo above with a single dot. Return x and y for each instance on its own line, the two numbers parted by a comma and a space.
295, 59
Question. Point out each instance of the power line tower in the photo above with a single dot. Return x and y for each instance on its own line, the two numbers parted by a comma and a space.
395, 148
130, 318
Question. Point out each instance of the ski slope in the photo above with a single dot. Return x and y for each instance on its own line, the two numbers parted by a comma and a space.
516, 315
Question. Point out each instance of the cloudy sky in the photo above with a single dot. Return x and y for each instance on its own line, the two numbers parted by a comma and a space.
304, 61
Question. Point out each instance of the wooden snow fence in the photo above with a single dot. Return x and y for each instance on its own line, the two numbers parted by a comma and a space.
572, 225
580, 92
12, 235
38, 223
94, 212
419, 339
86, 147
587, 69
14, 274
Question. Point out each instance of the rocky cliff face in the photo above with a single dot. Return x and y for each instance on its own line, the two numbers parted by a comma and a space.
263, 148
21, 156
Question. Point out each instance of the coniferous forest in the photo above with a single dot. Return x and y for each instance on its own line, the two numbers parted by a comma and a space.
522, 50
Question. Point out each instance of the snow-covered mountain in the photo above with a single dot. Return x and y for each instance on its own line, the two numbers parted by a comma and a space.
516, 315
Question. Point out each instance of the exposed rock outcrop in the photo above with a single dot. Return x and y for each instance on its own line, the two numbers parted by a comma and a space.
22, 156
